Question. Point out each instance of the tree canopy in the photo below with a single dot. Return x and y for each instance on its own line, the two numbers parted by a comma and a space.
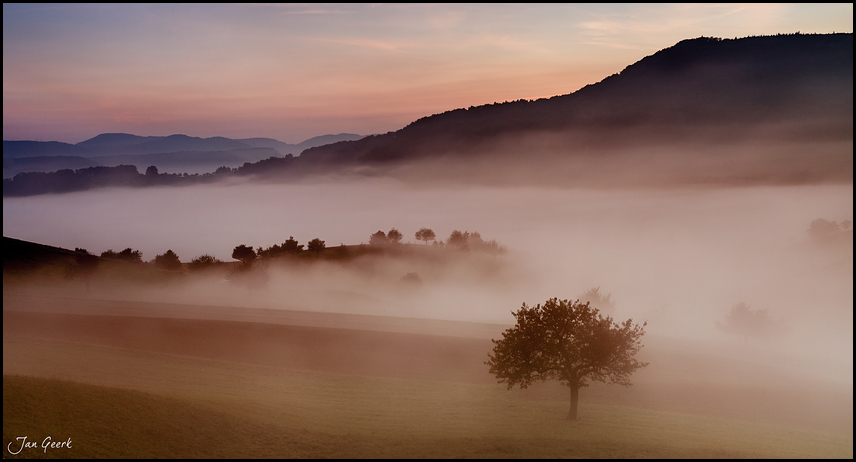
744, 321
202, 262
315, 245
394, 236
569, 342
129, 255
245, 254
289, 247
168, 261
378, 238
458, 240
425, 234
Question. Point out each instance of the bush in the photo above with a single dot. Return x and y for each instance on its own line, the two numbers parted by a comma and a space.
168, 261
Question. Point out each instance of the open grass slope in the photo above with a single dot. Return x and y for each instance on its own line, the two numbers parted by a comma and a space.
680, 378
306, 414
135, 400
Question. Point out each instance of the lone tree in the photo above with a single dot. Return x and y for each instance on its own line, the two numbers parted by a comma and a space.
569, 342
425, 234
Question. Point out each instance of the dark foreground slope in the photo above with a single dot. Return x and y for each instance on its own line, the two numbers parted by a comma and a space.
365, 417
316, 392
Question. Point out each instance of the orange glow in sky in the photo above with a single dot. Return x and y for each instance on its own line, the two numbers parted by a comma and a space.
292, 72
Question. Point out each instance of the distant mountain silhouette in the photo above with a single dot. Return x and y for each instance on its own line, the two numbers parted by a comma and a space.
113, 144
707, 111
174, 152
117, 141
121, 144
698, 83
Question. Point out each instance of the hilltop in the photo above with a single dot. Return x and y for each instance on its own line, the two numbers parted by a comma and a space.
703, 90
768, 110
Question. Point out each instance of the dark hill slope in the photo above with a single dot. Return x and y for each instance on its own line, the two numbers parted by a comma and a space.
696, 83
19, 149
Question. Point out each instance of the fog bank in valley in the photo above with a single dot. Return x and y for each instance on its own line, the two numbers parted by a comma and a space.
677, 258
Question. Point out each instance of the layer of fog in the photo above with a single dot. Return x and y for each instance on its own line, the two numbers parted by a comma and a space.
678, 258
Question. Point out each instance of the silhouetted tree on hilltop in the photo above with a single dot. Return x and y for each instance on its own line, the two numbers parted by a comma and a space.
458, 240
291, 247
129, 255
566, 341
168, 261
425, 234
393, 236
202, 262
315, 245
378, 238
246, 254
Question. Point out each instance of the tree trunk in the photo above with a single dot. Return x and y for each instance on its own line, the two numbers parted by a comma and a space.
575, 396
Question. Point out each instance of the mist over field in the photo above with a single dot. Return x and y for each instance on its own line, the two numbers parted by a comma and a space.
677, 258
218, 221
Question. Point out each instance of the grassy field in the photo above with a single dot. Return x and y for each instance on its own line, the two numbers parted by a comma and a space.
226, 410
180, 391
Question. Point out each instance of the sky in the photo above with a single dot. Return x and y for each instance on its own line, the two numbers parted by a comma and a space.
291, 72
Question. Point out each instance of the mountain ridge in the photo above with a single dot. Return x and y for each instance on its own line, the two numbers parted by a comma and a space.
108, 142
194, 154
738, 80
768, 110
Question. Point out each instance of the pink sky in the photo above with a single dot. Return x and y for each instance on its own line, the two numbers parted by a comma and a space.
292, 72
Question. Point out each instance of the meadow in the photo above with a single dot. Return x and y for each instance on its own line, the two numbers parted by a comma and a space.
125, 386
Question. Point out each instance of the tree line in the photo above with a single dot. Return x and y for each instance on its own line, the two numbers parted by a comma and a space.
169, 260
68, 180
